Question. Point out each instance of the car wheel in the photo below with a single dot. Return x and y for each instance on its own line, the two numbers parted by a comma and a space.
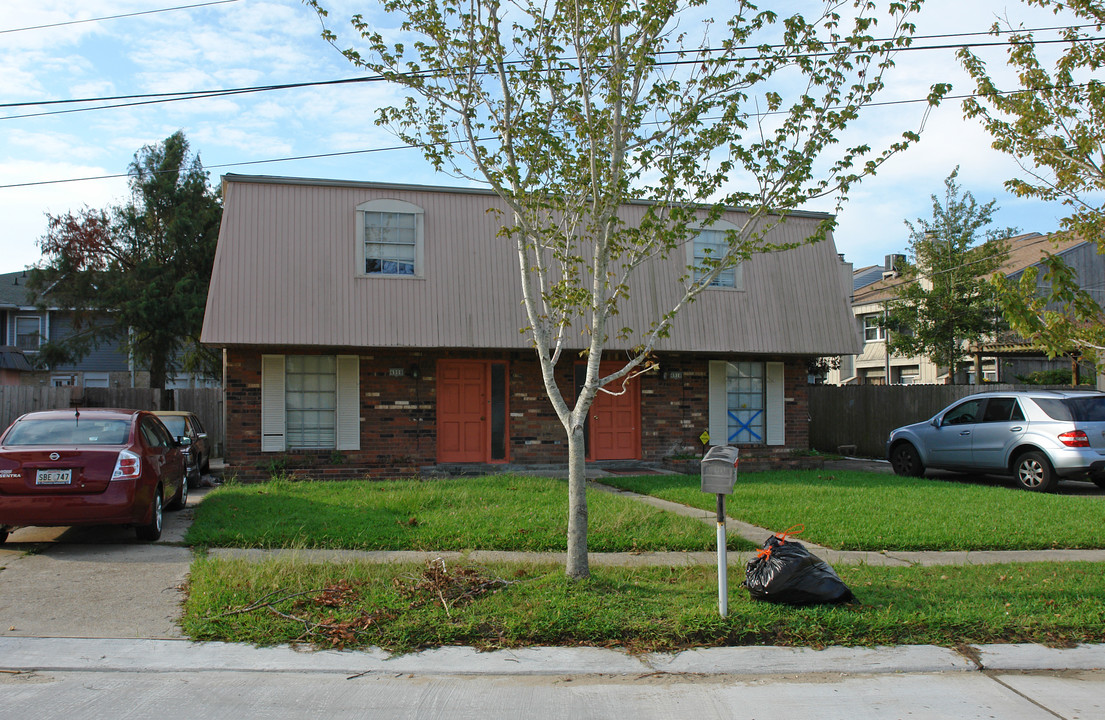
194, 477
152, 530
180, 500
1034, 472
3, 535
906, 461
206, 469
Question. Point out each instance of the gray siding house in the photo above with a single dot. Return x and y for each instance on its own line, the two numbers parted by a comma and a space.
373, 328
26, 327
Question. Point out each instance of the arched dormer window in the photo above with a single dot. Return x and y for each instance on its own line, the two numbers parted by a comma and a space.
711, 242
390, 238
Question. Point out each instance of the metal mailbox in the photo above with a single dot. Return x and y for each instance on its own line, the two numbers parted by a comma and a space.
719, 470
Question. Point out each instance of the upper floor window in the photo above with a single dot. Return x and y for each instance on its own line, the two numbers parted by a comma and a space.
28, 332
713, 243
390, 238
872, 330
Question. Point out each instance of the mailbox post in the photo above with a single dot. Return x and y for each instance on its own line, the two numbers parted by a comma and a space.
719, 474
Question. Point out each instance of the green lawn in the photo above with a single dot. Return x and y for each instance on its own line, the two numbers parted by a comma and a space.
874, 511
406, 607
501, 512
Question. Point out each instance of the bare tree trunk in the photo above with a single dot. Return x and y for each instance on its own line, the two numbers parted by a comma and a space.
577, 567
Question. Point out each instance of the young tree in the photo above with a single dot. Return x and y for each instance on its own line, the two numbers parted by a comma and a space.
1053, 123
568, 110
944, 300
139, 272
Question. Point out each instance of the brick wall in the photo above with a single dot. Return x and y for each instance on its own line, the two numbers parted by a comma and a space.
398, 413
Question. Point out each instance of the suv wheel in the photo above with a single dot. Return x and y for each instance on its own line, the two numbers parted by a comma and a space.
1034, 472
906, 461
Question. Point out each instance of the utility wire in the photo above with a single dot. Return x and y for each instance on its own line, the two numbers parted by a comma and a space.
411, 147
157, 98
116, 17
222, 165
907, 281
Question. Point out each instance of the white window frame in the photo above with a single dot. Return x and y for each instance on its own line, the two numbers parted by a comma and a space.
724, 281
388, 205
274, 410
909, 375
774, 404
96, 380
868, 325
38, 333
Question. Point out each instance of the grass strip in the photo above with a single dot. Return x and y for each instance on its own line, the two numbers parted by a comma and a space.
855, 510
501, 512
408, 607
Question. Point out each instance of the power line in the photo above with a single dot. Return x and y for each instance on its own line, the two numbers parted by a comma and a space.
910, 280
116, 17
411, 147
221, 165
158, 98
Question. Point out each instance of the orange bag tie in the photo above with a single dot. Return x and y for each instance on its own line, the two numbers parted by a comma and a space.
793, 530
763, 553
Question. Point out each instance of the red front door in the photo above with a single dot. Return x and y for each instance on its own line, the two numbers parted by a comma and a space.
462, 405
616, 421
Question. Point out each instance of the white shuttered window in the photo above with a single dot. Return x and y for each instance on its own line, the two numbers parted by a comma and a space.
310, 402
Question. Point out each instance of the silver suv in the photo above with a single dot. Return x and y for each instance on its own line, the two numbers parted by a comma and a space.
1036, 436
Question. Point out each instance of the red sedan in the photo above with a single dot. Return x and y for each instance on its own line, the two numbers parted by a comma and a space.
89, 467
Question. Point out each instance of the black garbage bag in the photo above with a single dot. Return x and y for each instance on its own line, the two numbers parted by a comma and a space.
784, 571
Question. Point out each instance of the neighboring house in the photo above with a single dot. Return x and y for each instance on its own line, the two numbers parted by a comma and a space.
874, 287
13, 363
26, 327
373, 328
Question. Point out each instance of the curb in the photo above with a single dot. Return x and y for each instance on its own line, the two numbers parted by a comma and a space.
19, 654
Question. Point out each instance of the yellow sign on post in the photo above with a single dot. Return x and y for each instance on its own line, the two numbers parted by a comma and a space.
704, 437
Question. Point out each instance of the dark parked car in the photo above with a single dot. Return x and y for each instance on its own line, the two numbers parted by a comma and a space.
184, 424
89, 467
1037, 437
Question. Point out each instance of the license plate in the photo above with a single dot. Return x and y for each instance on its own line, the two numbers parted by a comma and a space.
54, 477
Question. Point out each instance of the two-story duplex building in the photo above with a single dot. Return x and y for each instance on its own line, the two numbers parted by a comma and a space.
372, 328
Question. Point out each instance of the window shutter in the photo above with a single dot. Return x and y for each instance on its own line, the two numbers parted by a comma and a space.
272, 403
776, 405
719, 404
349, 403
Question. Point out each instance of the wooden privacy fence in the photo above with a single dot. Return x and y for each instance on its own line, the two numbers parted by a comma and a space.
862, 416
206, 403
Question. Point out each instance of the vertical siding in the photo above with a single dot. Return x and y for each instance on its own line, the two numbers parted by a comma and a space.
285, 274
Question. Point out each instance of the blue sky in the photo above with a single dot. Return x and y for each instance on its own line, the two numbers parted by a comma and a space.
260, 42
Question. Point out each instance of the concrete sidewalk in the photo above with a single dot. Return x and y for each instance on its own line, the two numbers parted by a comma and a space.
64, 677
147, 655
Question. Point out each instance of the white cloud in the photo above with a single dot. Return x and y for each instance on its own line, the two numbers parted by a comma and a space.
257, 42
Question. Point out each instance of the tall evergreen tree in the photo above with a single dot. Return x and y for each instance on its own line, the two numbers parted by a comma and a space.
137, 273
944, 301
